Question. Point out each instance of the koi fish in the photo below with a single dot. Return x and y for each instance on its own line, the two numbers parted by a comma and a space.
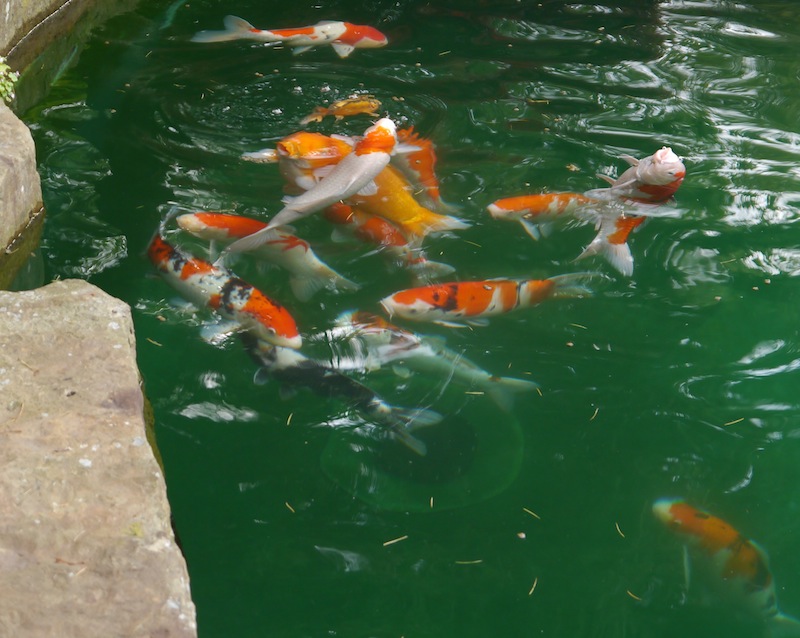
354, 172
373, 342
535, 212
343, 37
205, 284
611, 241
376, 230
652, 180
393, 201
357, 105
294, 369
418, 163
308, 274
737, 567
470, 302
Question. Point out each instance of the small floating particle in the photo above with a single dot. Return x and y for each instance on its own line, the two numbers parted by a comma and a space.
395, 540
289, 419
577, 325
596, 410
734, 422
619, 531
521, 535
469, 562
154, 342
573, 168
445, 52
533, 587
478, 392
632, 595
473, 243
570, 344
289, 507
431, 502
532, 513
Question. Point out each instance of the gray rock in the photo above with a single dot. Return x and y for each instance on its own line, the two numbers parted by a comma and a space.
86, 547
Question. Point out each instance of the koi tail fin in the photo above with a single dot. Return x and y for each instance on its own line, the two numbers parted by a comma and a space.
612, 241
235, 29
407, 420
573, 284
503, 390
307, 286
782, 626
422, 225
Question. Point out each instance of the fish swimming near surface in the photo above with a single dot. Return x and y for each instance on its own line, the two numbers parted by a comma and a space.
308, 274
357, 105
376, 230
205, 284
470, 302
293, 369
305, 159
652, 180
354, 172
343, 37
736, 567
536, 212
372, 343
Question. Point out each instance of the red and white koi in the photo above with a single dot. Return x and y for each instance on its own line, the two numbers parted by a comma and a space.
343, 37
308, 274
205, 284
470, 302
376, 230
652, 180
354, 172
735, 566
373, 342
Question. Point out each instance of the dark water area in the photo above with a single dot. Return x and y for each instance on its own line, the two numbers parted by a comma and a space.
680, 381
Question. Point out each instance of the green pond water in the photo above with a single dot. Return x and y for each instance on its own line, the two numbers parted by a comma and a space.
680, 381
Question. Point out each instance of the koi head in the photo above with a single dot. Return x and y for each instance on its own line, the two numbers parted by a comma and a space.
698, 527
381, 137
661, 168
363, 36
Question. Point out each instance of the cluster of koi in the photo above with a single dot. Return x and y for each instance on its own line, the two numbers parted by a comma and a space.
382, 188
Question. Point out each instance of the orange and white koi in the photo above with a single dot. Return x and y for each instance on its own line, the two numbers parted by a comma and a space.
417, 161
357, 105
365, 342
376, 230
470, 302
308, 274
354, 172
343, 37
737, 567
652, 180
205, 284
534, 212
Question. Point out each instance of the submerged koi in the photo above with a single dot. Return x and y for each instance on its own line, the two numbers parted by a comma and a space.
736, 566
205, 284
378, 231
343, 37
373, 342
358, 105
308, 274
469, 302
354, 172
294, 369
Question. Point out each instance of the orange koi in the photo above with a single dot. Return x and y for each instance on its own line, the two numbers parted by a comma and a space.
343, 37
308, 274
457, 303
652, 180
417, 161
359, 105
738, 567
205, 284
376, 230
533, 211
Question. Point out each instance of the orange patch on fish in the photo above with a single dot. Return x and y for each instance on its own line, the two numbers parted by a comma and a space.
624, 227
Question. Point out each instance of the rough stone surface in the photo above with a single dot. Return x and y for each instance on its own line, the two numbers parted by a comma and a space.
20, 190
86, 548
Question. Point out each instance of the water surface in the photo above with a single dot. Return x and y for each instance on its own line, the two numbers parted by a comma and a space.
679, 381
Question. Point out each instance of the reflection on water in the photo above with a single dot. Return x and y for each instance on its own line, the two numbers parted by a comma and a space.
679, 381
